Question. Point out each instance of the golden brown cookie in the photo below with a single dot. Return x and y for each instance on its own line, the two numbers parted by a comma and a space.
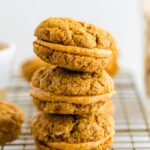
63, 91
11, 119
61, 81
30, 66
75, 45
67, 132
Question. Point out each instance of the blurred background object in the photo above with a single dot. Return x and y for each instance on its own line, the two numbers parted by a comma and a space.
31, 65
7, 53
113, 67
147, 45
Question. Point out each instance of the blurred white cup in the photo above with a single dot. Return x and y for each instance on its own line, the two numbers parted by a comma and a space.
7, 53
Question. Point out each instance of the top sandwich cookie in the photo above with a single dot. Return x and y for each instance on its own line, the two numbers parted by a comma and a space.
74, 45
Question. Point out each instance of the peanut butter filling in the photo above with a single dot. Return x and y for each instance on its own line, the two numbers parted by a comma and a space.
49, 96
78, 146
93, 52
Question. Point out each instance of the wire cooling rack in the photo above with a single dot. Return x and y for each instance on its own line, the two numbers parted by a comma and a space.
132, 128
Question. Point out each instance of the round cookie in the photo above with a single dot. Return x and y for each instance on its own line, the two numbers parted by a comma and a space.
30, 66
66, 132
62, 91
75, 45
11, 119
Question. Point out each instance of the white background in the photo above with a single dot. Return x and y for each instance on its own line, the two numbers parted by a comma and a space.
19, 18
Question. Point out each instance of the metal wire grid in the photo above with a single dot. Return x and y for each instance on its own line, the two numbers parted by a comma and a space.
132, 128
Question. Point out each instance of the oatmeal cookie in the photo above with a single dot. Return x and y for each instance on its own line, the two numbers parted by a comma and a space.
75, 45
11, 119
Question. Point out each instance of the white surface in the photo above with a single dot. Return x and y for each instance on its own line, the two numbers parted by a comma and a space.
8, 54
18, 20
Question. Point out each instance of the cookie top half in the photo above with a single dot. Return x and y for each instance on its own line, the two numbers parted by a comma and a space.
76, 45
65, 82
67, 31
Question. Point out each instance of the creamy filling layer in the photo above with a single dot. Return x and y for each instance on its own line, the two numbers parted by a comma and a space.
77, 146
49, 96
94, 52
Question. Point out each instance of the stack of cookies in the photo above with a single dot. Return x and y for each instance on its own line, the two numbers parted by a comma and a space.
75, 97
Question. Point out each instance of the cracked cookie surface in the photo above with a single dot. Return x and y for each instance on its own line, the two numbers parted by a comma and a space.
71, 129
11, 119
65, 82
69, 32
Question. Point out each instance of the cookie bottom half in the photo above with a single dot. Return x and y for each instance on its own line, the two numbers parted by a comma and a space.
71, 61
71, 108
104, 146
